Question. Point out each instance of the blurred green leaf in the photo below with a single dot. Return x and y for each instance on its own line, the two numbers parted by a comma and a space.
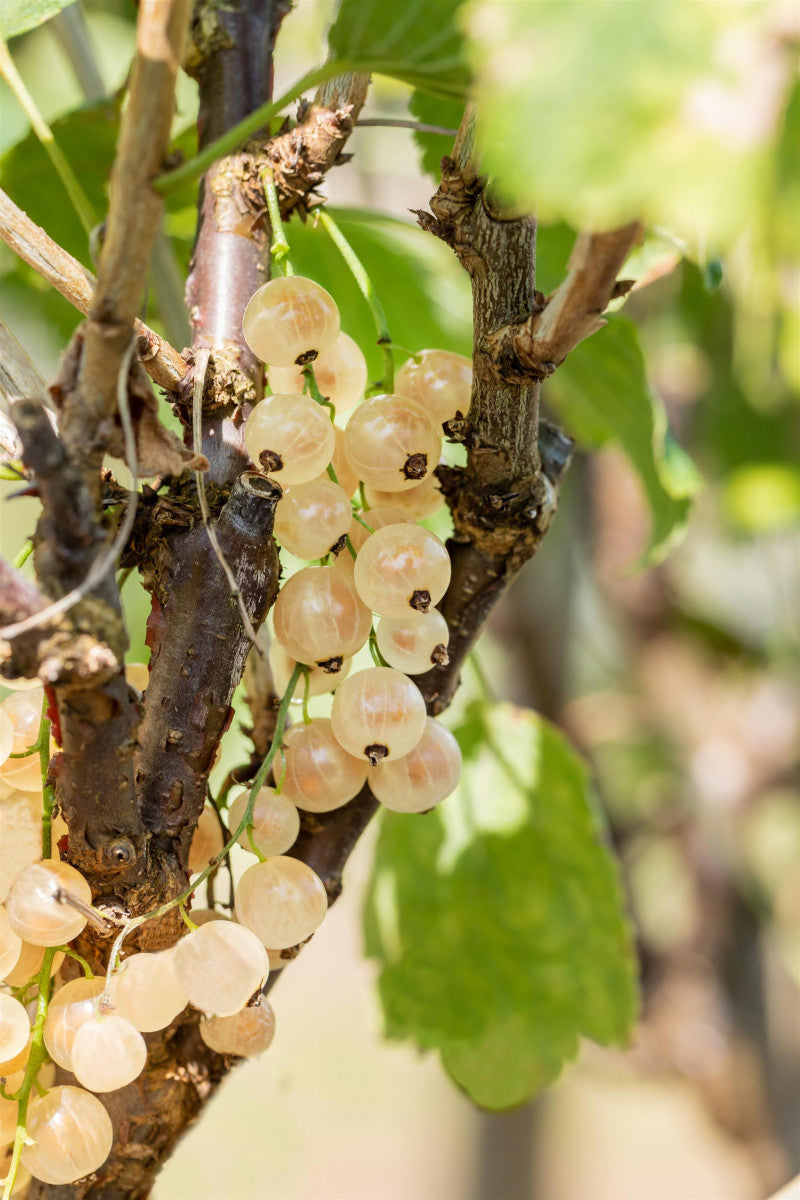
424, 291
599, 113
435, 110
18, 16
497, 919
88, 138
763, 498
417, 41
601, 393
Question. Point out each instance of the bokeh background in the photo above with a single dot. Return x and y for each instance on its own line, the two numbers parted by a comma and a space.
680, 687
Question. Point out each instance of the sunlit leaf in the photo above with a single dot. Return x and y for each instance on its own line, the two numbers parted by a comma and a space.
497, 919
18, 16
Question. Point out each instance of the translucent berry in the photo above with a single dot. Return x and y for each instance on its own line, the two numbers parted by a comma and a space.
439, 380
340, 372
220, 966
146, 991
206, 841
422, 777
6, 736
376, 518
320, 775
20, 834
319, 618
417, 502
312, 519
290, 438
15, 1028
107, 1053
276, 822
391, 443
8, 1120
401, 568
72, 1006
415, 642
10, 944
282, 901
246, 1033
35, 910
378, 713
320, 680
29, 964
24, 710
69, 1135
290, 320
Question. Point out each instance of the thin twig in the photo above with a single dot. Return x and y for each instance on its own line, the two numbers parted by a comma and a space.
29, 242
19, 379
107, 561
401, 123
200, 367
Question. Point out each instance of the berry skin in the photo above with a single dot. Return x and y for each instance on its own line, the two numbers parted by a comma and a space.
440, 381
246, 1034
107, 1053
276, 822
146, 991
72, 1006
206, 841
282, 900
289, 438
15, 1028
340, 372
311, 519
219, 966
70, 1135
290, 320
33, 907
320, 775
392, 443
415, 642
10, 944
378, 714
423, 777
319, 617
376, 518
320, 680
402, 568
417, 503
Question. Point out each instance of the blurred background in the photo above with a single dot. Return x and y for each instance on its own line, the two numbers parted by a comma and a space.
678, 684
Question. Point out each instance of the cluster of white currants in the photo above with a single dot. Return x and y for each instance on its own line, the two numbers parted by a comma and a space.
383, 562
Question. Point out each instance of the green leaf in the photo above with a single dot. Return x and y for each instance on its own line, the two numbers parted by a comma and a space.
88, 138
497, 919
601, 393
435, 110
602, 112
417, 41
18, 16
423, 290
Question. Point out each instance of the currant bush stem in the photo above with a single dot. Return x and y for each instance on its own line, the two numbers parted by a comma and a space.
230, 141
36, 1059
42, 745
247, 819
367, 290
80, 201
306, 694
87, 970
279, 248
377, 657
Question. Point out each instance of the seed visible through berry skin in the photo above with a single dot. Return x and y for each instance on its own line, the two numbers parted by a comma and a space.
290, 320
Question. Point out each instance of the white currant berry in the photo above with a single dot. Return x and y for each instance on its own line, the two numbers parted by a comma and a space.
290, 320
320, 775
219, 966
340, 372
319, 618
414, 642
423, 777
69, 1135
72, 1006
275, 822
401, 568
417, 502
29, 964
206, 841
8, 1118
290, 438
320, 680
391, 443
282, 901
24, 710
107, 1053
6, 736
15, 1028
377, 714
34, 909
439, 380
246, 1034
10, 944
312, 519
376, 518
147, 992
